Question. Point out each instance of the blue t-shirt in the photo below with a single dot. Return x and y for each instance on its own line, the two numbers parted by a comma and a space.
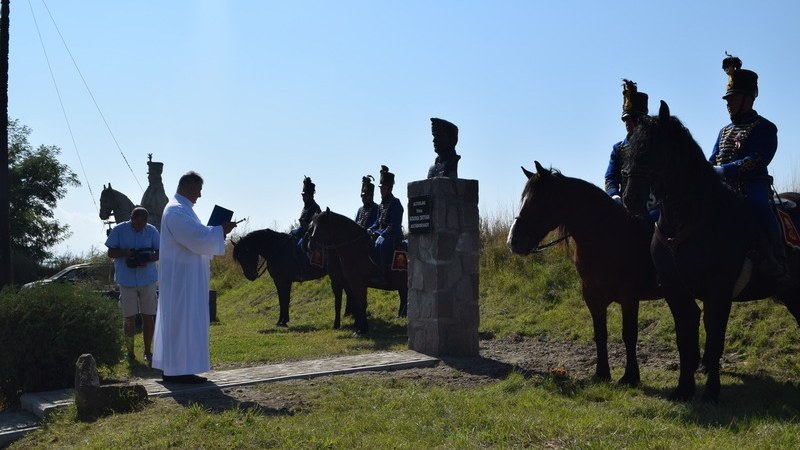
123, 236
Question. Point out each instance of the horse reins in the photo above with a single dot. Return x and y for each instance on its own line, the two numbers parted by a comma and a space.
539, 248
261, 268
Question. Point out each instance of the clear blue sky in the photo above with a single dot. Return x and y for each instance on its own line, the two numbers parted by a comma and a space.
256, 94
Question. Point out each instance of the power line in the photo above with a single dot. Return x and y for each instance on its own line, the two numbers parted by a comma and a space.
92, 96
61, 102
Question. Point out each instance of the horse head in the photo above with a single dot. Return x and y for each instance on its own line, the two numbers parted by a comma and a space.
318, 233
329, 229
106, 202
115, 202
246, 254
540, 210
662, 156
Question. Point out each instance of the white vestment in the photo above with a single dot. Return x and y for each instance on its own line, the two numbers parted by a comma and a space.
181, 339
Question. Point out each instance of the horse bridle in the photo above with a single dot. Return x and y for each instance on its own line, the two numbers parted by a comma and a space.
261, 268
540, 248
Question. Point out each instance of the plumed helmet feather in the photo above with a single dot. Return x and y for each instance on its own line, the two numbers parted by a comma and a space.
731, 63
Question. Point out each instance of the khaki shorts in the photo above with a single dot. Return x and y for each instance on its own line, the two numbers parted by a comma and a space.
138, 299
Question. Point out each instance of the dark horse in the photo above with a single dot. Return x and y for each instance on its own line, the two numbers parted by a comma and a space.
279, 253
351, 243
611, 253
701, 245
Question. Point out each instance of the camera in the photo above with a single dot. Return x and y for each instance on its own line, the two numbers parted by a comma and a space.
140, 258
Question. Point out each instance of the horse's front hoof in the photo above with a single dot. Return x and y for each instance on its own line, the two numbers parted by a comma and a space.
360, 333
281, 324
601, 378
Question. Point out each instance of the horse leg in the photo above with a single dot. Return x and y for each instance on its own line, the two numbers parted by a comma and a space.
598, 311
348, 304
284, 293
686, 316
630, 335
403, 310
360, 309
715, 319
337, 304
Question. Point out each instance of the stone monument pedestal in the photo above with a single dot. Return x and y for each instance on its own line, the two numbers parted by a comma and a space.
443, 257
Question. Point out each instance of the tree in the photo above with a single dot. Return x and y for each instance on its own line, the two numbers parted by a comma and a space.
37, 181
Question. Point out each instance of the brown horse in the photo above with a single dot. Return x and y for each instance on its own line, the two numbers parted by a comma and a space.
611, 253
351, 243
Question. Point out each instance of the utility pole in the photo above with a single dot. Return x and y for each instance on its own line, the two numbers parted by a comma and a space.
5, 188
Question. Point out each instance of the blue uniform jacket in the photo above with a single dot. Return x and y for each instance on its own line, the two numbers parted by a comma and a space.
614, 170
744, 149
390, 219
366, 215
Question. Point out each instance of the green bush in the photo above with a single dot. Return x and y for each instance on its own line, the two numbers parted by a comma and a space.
43, 331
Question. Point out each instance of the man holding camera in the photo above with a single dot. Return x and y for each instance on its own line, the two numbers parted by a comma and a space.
134, 247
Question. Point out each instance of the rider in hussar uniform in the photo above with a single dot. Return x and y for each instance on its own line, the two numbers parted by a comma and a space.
310, 207
388, 227
368, 211
743, 150
634, 108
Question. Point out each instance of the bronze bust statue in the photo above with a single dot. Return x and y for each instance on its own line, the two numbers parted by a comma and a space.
445, 138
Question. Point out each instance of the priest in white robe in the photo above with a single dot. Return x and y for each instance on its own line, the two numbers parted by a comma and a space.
181, 341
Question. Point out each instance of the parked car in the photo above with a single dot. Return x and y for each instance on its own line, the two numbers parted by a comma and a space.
99, 276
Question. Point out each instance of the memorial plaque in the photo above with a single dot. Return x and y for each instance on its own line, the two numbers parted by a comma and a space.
419, 214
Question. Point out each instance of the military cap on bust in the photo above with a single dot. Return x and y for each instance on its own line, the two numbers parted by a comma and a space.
387, 178
155, 168
739, 80
633, 101
366, 185
443, 126
308, 186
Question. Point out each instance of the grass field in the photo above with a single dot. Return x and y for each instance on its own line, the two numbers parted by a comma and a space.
536, 296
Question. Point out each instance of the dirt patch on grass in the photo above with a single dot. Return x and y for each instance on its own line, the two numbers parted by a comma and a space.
499, 357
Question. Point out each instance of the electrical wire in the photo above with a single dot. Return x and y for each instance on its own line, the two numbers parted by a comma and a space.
63, 109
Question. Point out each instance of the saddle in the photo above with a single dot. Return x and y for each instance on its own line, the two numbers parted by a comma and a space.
308, 260
399, 263
400, 257
790, 234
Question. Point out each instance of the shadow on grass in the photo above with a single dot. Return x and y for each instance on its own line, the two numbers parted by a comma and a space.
215, 400
294, 329
757, 397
